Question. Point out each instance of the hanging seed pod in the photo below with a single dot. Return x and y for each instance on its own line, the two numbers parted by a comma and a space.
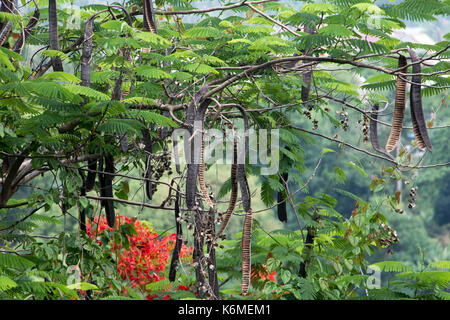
281, 207
147, 140
418, 120
4, 32
194, 114
201, 176
90, 180
109, 204
246, 252
53, 34
234, 191
82, 211
399, 109
149, 17
374, 133
179, 240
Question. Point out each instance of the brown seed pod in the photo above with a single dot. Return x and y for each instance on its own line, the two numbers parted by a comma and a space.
201, 176
399, 109
4, 32
53, 34
246, 252
374, 133
234, 191
418, 120
149, 17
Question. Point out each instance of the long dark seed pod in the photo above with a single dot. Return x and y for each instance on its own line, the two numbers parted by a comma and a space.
179, 239
281, 207
417, 117
147, 139
399, 109
194, 114
86, 52
18, 45
241, 168
109, 204
101, 181
7, 6
90, 179
234, 191
82, 211
53, 33
246, 252
307, 74
4, 32
149, 17
374, 133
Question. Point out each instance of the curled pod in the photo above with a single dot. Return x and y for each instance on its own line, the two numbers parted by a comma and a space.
374, 133
90, 179
417, 117
399, 109
246, 252
109, 204
281, 207
179, 240
234, 191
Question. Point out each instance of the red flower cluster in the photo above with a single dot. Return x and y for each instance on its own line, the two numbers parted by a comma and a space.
145, 260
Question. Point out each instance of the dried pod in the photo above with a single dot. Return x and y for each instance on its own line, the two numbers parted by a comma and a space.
82, 211
281, 207
399, 109
374, 133
201, 176
92, 173
234, 191
417, 117
53, 34
179, 240
246, 252
147, 139
107, 186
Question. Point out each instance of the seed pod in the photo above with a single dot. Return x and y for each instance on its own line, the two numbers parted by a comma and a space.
374, 133
234, 191
281, 207
4, 32
194, 114
201, 176
147, 139
149, 17
179, 240
417, 117
399, 109
109, 204
53, 34
82, 211
90, 180
246, 252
